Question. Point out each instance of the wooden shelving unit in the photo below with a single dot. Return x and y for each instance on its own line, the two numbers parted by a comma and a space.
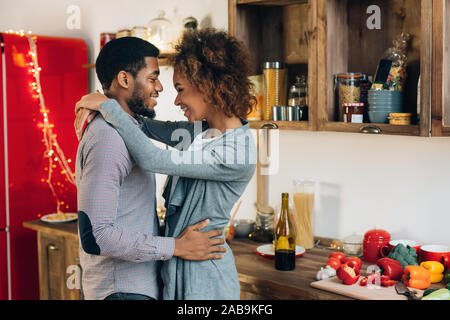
335, 39
163, 60
345, 44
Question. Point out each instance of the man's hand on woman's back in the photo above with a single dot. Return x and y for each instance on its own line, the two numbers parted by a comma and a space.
192, 244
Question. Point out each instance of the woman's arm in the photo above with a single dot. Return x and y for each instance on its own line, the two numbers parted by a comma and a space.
166, 131
203, 164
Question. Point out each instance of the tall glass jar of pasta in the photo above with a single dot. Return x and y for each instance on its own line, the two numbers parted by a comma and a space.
275, 87
347, 90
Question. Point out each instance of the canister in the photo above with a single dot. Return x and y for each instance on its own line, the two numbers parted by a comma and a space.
279, 113
258, 92
123, 33
374, 241
139, 32
347, 89
292, 113
275, 87
105, 37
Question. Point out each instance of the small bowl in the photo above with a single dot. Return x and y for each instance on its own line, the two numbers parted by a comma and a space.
378, 117
243, 228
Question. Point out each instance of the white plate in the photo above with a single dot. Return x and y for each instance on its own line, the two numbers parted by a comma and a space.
267, 251
69, 217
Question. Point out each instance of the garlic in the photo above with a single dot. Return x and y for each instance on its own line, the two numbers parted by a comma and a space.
326, 273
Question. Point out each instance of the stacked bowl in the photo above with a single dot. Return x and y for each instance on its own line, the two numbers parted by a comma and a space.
382, 103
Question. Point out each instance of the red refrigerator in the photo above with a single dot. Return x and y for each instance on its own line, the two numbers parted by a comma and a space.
25, 192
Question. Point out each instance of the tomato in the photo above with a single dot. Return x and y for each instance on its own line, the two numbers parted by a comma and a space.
356, 260
339, 255
334, 263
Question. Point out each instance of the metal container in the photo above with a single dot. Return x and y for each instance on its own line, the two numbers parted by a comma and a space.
292, 113
279, 113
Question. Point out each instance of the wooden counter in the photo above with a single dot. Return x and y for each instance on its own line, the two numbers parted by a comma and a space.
258, 277
261, 281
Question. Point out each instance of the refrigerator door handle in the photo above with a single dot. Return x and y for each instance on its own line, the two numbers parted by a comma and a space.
4, 229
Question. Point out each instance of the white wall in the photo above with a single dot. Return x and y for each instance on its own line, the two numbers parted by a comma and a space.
399, 183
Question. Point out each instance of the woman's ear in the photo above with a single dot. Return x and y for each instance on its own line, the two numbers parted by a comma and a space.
123, 79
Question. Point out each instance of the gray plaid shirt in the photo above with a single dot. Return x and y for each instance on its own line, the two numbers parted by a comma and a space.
120, 246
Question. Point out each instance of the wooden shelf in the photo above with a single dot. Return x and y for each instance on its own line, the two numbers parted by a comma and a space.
163, 60
271, 2
282, 125
384, 129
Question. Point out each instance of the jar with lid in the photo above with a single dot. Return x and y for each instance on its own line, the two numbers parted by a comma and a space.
275, 87
106, 37
298, 97
347, 89
353, 112
123, 33
160, 32
374, 241
264, 224
140, 32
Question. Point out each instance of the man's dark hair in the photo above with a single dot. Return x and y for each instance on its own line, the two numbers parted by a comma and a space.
127, 54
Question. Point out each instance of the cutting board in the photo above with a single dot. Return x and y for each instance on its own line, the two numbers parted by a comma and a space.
361, 293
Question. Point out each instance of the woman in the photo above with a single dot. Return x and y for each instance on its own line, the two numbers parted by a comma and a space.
211, 77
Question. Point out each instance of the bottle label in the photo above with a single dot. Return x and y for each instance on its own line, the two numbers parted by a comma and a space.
282, 243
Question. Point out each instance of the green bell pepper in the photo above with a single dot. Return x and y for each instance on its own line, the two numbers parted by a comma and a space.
441, 294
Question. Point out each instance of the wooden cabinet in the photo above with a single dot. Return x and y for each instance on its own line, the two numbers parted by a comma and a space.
346, 44
337, 39
280, 30
440, 112
59, 264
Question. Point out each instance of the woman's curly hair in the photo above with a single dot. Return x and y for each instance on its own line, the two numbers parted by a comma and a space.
219, 66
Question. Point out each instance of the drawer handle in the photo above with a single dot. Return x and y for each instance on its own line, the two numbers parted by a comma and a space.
269, 126
52, 247
370, 130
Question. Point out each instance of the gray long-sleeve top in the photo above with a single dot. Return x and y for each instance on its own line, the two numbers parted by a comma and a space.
211, 180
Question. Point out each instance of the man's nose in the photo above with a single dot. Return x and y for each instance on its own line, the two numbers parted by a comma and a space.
159, 86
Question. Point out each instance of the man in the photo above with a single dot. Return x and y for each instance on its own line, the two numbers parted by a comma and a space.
121, 250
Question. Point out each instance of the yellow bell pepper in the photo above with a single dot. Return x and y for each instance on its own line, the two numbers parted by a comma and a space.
436, 269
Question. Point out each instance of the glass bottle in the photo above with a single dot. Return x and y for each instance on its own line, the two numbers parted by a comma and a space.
285, 238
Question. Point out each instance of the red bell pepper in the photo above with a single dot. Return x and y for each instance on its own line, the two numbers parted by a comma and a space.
390, 268
349, 273
356, 260
370, 279
387, 282
384, 281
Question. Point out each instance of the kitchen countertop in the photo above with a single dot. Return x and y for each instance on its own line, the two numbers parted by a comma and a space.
257, 275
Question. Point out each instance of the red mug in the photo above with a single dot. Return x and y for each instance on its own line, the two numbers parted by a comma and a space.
372, 250
437, 253
386, 249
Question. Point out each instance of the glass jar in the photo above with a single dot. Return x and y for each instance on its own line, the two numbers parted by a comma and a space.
353, 112
264, 225
258, 92
348, 89
160, 32
106, 37
123, 33
140, 32
275, 87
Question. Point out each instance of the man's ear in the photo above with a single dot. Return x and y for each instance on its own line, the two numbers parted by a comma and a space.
123, 79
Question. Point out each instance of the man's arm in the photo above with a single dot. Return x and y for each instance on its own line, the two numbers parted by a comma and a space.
105, 164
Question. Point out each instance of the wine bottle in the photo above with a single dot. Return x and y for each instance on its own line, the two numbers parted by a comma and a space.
285, 238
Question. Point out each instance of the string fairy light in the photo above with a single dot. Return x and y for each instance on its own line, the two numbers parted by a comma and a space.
53, 152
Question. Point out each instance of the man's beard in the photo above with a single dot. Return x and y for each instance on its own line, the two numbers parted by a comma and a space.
137, 105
